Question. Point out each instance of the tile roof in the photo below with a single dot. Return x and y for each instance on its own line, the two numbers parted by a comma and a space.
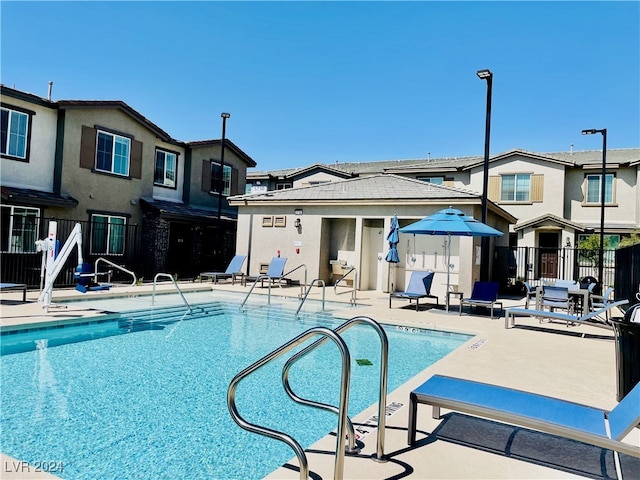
577, 158
377, 187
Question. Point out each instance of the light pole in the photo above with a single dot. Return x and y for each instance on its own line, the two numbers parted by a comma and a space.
603, 181
484, 262
220, 180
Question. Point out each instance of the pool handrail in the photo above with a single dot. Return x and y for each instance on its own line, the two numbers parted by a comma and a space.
175, 284
283, 437
311, 285
259, 278
115, 265
382, 399
344, 279
302, 265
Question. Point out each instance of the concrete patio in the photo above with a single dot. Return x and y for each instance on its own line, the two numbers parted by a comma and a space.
575, 363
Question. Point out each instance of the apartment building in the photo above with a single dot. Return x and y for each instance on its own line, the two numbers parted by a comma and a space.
144, 198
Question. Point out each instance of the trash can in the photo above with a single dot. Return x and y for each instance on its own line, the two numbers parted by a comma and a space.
627, 341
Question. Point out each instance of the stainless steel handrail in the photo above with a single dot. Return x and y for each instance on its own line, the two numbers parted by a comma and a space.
382, 399
119, 267
311, 285
291, 271
258, 278
175, 284
355, 283
283, 437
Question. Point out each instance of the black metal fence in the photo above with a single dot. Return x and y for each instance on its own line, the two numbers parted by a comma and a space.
627, 275
536, 265
26, 266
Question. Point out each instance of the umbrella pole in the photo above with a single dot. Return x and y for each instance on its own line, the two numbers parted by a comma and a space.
446, 293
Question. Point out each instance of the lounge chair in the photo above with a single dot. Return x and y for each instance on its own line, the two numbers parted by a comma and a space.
484, 294
86, 278
591, 318
274, 273
15, 286
234, 269
419, 287
529, 410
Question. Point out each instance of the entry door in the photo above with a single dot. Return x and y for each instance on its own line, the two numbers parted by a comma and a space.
548, 255
180, 259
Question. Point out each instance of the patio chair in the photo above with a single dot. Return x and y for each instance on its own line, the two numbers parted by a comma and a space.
484, 294
419, 287
234, 269
529, 294
601, 301
529, 410
556, 297
274, 273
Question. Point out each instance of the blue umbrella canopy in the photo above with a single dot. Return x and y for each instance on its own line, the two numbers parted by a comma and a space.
450, 221
393, 238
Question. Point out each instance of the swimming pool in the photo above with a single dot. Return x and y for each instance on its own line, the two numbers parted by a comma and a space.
152, 403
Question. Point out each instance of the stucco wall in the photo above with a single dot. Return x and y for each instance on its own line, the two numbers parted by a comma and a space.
37, 173
100, 191
323, 227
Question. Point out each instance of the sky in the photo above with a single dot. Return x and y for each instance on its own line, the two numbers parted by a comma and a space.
325, 82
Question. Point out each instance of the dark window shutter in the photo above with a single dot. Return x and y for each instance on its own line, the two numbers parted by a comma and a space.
206, 176
234, 190
88, 147
135, 168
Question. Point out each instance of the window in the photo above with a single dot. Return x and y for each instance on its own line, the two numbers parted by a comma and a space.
165, 171
436, 180
113, 153
107, 234
516, 188
283, 186
593, 189
215, 179
15, 133
19, 229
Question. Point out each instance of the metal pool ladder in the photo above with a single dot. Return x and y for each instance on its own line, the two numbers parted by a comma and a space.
344, 423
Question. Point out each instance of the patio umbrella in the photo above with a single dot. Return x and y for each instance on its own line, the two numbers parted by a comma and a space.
448, 222
393, 238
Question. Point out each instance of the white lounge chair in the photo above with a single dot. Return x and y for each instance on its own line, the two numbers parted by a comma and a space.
591, 318
538, 412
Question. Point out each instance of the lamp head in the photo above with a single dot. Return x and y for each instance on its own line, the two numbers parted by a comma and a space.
484, 74
590, 131
225, 115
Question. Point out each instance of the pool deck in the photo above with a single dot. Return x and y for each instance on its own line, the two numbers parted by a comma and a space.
575, 363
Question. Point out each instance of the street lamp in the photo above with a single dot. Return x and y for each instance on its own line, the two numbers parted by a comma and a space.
220, 180
484, 263
593, 131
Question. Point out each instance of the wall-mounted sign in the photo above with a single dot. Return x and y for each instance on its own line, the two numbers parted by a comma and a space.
298, 211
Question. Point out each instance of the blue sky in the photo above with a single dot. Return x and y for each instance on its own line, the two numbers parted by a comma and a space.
309, 82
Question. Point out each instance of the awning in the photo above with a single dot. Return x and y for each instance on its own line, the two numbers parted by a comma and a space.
30, 197
185, 212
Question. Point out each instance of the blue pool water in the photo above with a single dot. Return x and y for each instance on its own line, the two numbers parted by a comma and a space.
152, 403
